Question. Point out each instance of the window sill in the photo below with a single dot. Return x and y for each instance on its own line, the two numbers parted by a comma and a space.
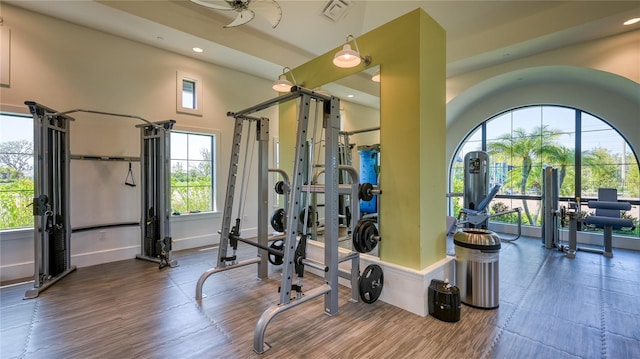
12, 234
187, 217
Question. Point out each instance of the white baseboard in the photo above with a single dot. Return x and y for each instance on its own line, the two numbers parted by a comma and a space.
16, 271
104, 256
404, 287
25, 269
195, 242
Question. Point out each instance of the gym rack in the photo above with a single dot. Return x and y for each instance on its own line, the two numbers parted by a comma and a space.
292, 247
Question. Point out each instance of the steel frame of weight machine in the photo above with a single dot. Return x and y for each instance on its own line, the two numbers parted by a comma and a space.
51, 202
155, 170
331, 123
52, 223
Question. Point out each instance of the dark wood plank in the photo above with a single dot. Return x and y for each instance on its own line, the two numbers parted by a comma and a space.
550, 307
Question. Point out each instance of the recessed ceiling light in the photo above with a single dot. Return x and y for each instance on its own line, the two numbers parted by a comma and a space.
197, 49
632, 21
350, 96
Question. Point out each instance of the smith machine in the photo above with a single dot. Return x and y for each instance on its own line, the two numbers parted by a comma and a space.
292, 253
364, 229
51, 204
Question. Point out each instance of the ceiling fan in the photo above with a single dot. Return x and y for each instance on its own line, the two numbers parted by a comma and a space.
246, 9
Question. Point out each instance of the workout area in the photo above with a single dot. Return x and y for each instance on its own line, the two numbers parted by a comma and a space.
406, 188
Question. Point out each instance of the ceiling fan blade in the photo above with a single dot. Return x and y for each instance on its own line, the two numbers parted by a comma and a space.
243, 17
269, 9
213, 4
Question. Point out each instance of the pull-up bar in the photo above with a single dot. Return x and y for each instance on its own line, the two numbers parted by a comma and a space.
108, 114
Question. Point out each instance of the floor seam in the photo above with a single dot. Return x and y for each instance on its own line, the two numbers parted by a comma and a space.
490, 351
36, 307
603, 318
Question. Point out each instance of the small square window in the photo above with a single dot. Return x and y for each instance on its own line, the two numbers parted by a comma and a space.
188, 94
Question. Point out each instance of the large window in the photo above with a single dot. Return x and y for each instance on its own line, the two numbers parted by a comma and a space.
192, 172
588, 153
16, 171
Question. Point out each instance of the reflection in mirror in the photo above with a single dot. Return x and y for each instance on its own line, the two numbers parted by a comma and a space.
359, 148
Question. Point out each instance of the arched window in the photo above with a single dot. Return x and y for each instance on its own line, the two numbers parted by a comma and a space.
587, 151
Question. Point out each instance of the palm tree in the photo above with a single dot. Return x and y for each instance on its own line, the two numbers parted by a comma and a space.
563, 157
525, 148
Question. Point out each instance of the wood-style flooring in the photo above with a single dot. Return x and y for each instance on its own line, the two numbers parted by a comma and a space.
550, 307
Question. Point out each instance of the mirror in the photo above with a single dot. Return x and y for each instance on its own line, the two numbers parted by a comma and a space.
359, 124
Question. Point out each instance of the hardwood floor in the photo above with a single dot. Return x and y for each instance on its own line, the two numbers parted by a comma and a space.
550, 307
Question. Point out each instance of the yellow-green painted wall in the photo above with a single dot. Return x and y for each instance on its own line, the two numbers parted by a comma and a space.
411, 53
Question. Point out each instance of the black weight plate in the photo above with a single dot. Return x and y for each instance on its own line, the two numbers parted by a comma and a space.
279, 187
355, 238
277, 220
365, 191
371, 283
310, 216
276, 259
368, 235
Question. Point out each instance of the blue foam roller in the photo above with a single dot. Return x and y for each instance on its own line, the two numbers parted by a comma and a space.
621, 206
616, 223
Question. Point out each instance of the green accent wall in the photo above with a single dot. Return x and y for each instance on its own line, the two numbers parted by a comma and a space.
411, 52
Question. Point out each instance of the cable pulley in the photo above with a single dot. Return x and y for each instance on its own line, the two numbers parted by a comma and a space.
277, 220
371, 283
365, 235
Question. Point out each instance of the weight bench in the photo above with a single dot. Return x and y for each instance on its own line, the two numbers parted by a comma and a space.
607, 217
481, 214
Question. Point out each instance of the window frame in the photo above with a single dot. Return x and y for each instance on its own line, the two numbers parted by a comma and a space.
578, 153
182, 76
215, 159
15, 111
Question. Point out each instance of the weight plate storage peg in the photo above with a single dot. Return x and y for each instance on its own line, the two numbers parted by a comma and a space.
277, 220
371, 283
274, 258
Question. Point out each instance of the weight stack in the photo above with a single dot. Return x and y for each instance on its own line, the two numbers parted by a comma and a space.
57, 250
444, 301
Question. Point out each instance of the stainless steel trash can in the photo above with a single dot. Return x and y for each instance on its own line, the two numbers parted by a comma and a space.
477, 267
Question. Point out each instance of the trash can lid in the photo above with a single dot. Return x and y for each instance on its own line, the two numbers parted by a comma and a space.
477, 238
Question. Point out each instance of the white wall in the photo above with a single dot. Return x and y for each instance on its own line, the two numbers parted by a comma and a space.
65, 66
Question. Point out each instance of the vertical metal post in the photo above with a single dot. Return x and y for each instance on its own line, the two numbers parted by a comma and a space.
332, 129
293, 212
550, 205
262, 136
155, 191
231, 187
51, 198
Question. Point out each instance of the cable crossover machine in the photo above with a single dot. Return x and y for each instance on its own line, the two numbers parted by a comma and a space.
51, 203
291, 253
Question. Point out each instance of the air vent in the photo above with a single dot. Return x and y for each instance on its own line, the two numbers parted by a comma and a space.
336, 9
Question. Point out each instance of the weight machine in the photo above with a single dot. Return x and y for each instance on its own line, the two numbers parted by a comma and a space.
155, 169
51, 203
477, 196
606, 217
293, 253
52, 230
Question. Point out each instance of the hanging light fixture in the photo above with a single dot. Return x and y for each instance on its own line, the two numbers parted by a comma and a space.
347, 57
282, 84
376, 77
